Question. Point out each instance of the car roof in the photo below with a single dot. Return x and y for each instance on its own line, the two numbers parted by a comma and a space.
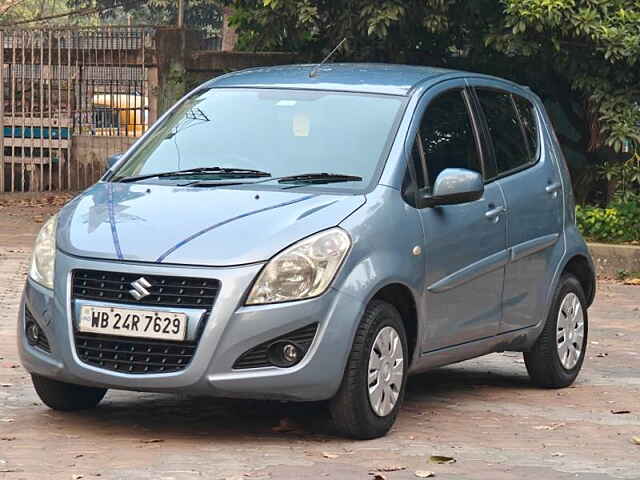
380, 78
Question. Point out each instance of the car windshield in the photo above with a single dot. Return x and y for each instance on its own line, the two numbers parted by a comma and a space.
281, 132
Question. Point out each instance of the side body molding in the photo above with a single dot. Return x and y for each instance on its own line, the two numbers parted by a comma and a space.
493, 262
530, 247
468, 273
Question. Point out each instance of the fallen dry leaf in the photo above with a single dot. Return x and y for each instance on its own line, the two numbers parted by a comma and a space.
153, 440
551, 427
330, 455
391, 468
635, 440
287, 425
632, 281
377, 476
424, 474
440, 459
620, 412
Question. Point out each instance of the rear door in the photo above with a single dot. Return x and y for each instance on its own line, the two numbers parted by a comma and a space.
527, 173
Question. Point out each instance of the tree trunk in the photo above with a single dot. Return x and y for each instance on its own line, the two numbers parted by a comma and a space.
229, 35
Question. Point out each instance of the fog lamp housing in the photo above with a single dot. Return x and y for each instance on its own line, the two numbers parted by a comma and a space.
33, 332
285, 354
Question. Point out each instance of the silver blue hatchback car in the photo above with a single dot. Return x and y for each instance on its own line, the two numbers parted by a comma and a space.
277, 235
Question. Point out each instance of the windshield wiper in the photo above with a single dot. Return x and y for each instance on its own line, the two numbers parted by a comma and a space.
244, 172
318, 178
298, 180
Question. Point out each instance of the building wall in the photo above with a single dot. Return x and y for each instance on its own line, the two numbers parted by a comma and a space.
90, 153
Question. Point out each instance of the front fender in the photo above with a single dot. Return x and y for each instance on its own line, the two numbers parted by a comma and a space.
384, 232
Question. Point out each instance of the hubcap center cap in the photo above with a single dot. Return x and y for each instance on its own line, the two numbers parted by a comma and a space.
385, 371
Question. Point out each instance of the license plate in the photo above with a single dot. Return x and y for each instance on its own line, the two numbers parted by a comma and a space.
133, 323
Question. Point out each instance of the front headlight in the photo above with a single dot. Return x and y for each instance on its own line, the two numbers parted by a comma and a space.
44, 254
304, 270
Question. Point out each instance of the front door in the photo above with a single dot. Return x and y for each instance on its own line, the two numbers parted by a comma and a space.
465, 244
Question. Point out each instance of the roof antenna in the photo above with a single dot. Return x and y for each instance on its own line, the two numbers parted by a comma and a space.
315, 69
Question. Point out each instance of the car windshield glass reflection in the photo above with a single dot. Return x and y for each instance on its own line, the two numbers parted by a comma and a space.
282, 132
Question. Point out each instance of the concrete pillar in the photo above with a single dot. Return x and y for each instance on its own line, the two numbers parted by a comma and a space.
169, 82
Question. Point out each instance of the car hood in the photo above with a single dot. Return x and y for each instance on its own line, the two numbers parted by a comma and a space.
194, 226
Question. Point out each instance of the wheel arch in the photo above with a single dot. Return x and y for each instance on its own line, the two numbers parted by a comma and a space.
582, 269
401, 297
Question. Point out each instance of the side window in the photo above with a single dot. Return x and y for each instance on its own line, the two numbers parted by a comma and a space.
529, 123
447, 136
508, 139
414, 179
417, 157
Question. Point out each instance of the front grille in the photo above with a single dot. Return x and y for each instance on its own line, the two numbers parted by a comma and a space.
141, 356
165, 291
43, 342
259, 356
133, 356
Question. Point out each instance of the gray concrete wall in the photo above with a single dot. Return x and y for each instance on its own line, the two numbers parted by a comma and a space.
180, 64
612, 260
89, 155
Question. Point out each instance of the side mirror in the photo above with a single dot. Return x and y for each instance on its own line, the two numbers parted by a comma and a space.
454, 186
113, 159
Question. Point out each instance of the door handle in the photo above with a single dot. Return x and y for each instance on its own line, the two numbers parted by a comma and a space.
494, 213
553, 187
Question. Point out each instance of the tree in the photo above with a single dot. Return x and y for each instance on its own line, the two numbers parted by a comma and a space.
200, 14
38, 12
581, 55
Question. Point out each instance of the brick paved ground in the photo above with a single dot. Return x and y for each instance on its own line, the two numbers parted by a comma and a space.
483, 413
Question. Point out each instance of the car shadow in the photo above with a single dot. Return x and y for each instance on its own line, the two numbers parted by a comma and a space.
460, 378
158, 418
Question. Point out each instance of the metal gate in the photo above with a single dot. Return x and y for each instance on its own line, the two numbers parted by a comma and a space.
70, 97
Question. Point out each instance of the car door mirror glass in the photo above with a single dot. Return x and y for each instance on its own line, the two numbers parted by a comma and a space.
454, 186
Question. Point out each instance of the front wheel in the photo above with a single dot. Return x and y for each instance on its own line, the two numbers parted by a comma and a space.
66, 396
557, 356
372, 389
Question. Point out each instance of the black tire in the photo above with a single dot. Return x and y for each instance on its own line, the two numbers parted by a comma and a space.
66, 397
351, 410
543, 360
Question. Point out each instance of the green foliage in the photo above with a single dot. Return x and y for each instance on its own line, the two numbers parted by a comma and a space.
19, 10
624, 177
618, 223
582, 54
201, 14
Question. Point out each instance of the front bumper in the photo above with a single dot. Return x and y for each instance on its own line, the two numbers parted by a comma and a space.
231, 330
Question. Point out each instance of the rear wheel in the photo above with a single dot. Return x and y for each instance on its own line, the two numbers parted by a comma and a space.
66, 396
372, 389
557, 356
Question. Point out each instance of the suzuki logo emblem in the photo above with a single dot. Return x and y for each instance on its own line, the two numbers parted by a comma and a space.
140, 287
